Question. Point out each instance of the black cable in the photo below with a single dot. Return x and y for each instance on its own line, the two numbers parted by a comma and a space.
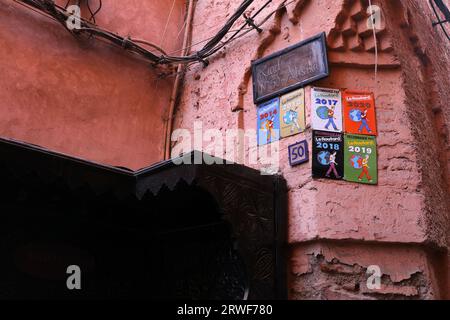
93, 13
446, 13
215, 44
441, 5
61, 15
233, 36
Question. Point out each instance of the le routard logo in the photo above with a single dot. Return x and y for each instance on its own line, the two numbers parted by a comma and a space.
73, 22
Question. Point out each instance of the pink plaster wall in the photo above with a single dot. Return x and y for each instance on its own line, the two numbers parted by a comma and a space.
410, 204
87, 98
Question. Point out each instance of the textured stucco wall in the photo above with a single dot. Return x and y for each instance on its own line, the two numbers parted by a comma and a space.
401, 224
87, 98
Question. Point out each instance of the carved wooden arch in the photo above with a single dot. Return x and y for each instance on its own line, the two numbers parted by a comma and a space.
254, 207
252, 213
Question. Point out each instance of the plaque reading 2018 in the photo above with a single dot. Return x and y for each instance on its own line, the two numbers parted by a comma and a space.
290, 69
328, 155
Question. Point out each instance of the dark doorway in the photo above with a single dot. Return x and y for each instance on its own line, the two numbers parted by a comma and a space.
160, 248
166, 232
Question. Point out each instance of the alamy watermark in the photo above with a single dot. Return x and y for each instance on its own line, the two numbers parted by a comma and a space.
73, 22
225, 147
374, 280
375, 18
74, 280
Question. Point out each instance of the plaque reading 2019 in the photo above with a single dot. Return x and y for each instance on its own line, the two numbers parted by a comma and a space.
290, 69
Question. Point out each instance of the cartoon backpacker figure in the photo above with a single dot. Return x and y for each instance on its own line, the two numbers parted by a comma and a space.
268, 122
364, 124
267, 127
326, 109
291, 118
333, 165
331, 118
364, 163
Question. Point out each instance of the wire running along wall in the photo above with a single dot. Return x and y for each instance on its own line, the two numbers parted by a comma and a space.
156, 55
445, 11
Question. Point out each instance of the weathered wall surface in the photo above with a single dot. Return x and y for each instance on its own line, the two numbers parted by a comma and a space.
87, 98
338, 229
426, 82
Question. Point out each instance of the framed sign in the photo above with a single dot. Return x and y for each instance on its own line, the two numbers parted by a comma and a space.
292, 113
290, 69
298, 153
360, 158
326, 110
328, 155
268, 122
359, 113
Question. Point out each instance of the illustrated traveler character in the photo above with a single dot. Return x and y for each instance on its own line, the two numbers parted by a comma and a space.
291, 118
364, 123
331, 118
364, 163
333, 165
268, 127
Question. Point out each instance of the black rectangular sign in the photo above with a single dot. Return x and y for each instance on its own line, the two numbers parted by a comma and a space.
290, 69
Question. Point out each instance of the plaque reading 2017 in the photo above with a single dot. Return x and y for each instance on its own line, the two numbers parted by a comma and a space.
290, 69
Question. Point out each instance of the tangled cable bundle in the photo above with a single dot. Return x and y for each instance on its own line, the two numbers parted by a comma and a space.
157, 55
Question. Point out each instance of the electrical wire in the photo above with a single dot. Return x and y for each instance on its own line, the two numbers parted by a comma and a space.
87, 28
441, 23
94, 13
245, 31
156, 54
163, 38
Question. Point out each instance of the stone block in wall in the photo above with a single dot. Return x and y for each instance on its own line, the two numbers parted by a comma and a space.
369, 44
349, 28
355, 44
357, 11
363, 29
337, 42
385, 44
